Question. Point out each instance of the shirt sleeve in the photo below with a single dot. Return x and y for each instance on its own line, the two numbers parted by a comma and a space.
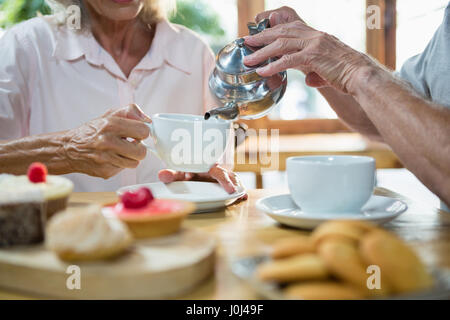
14, 77
416, 69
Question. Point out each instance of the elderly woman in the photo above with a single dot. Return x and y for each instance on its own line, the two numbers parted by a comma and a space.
58, 87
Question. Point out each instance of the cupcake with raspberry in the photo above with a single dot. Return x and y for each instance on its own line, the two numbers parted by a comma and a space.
147, 217
55, 190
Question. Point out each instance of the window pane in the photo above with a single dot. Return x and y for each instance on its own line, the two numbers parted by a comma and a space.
215, 21
344, 19
417, 22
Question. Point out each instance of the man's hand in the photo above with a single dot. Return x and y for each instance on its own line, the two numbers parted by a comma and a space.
101, 147
227, 179
279, 16
325, 60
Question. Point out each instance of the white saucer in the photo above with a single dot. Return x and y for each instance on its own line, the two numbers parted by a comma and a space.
282, 208
207, 196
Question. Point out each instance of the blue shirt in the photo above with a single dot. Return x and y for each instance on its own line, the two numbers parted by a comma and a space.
429, 72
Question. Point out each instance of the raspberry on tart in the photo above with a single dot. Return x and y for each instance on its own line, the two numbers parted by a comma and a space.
136, 199
148, 217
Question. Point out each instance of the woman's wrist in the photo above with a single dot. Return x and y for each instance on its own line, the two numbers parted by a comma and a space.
17, 155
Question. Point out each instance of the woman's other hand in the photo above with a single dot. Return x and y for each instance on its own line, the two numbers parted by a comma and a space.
106, 145
227, 179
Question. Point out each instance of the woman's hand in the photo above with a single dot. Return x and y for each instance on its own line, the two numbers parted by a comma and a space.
227, 179
100, 147
325, 60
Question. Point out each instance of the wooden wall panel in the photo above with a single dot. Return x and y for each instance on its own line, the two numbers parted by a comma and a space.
381, 43
247, 10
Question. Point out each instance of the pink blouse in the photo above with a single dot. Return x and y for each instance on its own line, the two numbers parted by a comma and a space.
54, 79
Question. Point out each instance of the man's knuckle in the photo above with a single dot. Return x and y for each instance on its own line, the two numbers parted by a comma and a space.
298, 24
286, 59
282, 43
300, 44
278, 44
283, 30
322, 36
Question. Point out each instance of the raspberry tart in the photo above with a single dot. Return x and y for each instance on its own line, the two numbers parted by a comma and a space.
147, 217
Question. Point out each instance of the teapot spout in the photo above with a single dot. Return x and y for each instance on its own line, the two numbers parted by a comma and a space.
230, 111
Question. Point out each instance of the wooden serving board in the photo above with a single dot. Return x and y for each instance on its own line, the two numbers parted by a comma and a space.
151, 269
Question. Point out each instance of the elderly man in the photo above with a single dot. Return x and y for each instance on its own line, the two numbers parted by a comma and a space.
412, 116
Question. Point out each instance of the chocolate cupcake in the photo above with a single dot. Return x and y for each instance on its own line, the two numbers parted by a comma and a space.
22, 216
55, 189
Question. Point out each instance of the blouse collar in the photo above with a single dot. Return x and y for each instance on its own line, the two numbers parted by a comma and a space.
72, 45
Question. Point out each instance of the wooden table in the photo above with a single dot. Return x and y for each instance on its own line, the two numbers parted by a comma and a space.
241, 230
256, 154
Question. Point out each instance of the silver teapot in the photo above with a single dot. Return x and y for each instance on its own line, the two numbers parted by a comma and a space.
245, 94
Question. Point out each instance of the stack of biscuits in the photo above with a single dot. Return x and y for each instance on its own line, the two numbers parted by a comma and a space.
345, 260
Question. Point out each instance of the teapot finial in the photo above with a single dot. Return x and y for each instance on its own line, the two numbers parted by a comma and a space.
254, 28
240, 42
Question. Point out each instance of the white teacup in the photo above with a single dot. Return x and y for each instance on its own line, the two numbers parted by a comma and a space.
187, 142
331, 184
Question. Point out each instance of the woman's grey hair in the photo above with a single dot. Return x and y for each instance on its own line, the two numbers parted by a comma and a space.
153, 11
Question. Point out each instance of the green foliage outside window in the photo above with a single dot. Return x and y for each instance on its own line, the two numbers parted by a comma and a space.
15, 11
198, 16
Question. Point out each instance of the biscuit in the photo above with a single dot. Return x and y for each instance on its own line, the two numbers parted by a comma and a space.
347, 229
344, 261
322, 291
292, 246
398, 263
295, 268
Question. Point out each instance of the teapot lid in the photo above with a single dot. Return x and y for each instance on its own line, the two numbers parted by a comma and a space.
231, 58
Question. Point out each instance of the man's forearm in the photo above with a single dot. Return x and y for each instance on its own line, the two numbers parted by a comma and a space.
349, 111
17, 155
417, 130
